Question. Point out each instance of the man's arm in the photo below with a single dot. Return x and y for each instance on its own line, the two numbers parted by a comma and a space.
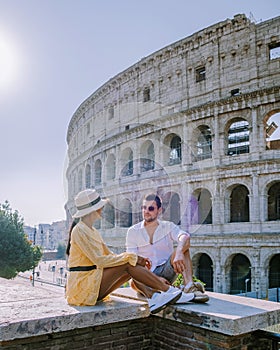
179, 264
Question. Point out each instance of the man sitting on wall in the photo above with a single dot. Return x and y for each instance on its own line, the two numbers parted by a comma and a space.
154, 239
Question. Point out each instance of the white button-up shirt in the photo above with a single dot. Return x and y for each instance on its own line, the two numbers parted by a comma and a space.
160, 249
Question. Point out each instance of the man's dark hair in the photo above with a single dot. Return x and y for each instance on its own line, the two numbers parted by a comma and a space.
153, 197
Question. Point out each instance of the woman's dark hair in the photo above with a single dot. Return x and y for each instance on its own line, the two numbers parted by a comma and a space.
153, 197
74, 223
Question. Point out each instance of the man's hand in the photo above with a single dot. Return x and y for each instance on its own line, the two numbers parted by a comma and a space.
179, 262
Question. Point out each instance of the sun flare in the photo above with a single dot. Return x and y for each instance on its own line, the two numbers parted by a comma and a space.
8, 63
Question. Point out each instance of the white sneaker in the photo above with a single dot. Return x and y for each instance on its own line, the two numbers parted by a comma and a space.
185, 298
160, 300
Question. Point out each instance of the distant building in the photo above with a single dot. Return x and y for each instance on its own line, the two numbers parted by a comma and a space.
48, 236
195, 122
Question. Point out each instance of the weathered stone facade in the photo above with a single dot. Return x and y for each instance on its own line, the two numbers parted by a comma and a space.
192, 122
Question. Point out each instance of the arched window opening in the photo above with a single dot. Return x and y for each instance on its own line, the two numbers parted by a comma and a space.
147, 161
272, 131
88, 176
98, 172
171, 208
125, 213
205, 271
274, 272
203, 143
239, 204
175, 155
238, 138
108, 215
274, 202
128, 163
111, 167
204, 207
240, 275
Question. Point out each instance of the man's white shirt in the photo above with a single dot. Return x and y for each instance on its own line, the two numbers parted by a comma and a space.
160, 249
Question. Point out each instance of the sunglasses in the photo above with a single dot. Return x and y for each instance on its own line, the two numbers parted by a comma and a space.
150, 208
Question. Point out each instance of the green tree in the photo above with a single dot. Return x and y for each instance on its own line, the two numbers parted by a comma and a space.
17, 254
60, 254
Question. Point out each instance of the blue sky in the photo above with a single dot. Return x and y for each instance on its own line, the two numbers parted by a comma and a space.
54, 54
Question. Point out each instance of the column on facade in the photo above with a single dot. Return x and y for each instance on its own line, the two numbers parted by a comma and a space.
218, 274
216, 141
187, 144
261, 133
185, 206
263, 199
254, 137
119, 162
216, 203
254, 199
136, 147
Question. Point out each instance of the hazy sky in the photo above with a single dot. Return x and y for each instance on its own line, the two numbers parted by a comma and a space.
54, 54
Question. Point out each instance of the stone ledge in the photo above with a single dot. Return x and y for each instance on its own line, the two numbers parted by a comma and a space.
27, 311
224, 313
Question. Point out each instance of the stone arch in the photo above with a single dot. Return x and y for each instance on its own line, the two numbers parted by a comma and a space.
202, 143
238, 273
125, 213
204, 206
238, 203
271, 124
109, 215
204, 269
171, 207
274, 272
237, 136
127, 165
174, 149
110, 167
273, 201
265, 263
97, 172
147, 156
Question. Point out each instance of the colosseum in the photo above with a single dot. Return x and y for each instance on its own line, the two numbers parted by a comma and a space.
196, 122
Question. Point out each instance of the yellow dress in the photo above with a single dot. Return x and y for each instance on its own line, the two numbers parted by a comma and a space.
88, 248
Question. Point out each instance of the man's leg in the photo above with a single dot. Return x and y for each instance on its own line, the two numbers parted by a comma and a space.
189, 286
164, 271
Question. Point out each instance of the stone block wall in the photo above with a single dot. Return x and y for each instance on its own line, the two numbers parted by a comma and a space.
152, 333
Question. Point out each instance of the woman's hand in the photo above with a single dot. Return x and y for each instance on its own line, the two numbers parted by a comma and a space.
145, 262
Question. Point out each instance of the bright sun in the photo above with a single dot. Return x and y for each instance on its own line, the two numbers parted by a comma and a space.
8, 64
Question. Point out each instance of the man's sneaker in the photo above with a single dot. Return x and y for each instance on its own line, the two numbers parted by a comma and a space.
198, 290
185, 298
199, 286
161, 299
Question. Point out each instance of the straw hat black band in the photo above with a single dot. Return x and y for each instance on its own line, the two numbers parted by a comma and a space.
91, 204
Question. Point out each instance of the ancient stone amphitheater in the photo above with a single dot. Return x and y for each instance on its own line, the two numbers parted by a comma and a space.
195, 122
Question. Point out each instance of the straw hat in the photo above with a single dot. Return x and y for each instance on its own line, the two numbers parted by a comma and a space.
88, 201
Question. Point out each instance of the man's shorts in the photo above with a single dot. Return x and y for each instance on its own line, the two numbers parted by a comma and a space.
166, 270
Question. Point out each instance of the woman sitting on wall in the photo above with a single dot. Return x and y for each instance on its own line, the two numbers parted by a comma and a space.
95, 272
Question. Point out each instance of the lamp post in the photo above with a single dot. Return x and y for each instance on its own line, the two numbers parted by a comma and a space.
33, 273
246, 285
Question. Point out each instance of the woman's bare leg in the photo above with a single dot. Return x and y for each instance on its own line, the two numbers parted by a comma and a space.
114, 277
